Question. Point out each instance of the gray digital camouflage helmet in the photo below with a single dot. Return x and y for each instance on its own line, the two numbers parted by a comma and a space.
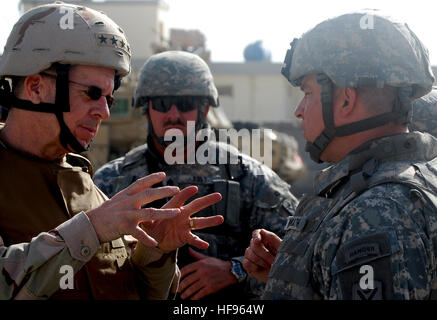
175, 73
356, 50
58, 36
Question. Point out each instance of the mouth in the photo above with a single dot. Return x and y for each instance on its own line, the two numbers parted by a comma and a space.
178, 127
86, 132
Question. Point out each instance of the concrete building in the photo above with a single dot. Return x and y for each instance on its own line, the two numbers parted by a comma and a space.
255, 91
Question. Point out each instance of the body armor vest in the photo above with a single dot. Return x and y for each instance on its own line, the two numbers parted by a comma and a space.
225, 240
36, 196
222, 178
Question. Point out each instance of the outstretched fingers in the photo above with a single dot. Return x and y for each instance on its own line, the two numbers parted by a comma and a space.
150, 214
152, 194
206, 222
143, 237
195, 241
147, 215
143, 183
201, 203
202, 223
179, 199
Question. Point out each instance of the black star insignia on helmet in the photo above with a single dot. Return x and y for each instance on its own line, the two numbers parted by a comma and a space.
102, 38
114, 41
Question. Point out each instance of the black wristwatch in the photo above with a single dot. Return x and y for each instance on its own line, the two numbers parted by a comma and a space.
238, 271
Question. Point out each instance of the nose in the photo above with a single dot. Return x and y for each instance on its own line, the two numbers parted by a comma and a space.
173, 113
100, 109
298, 113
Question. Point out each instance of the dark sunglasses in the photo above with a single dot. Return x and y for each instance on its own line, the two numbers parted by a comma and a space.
183, 103
93, 92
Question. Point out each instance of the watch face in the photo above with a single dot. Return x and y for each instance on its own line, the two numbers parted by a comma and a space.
238, 271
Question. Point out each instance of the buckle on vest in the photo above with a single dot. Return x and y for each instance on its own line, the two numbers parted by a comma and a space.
295, 223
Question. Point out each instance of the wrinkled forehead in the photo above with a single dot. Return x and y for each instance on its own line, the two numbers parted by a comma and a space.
92, 70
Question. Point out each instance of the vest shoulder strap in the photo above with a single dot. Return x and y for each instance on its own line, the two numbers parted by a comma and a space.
80, 161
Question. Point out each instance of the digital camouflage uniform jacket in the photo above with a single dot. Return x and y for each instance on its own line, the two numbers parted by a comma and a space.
253, 197
370, 231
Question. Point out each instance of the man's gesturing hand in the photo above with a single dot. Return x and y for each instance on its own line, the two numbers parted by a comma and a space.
122, 213
174, 233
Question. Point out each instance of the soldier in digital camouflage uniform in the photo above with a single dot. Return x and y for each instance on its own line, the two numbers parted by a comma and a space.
369, 229
425, 113
53, 220
175, 87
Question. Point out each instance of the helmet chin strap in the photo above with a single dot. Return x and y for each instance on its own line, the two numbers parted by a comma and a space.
401, 114
316, 148
61, 105
66, 137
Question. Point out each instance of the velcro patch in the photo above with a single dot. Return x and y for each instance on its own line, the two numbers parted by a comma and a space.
367, 294
361, 250
112, 40
372, 251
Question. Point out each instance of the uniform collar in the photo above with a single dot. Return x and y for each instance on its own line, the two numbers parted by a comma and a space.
412, 146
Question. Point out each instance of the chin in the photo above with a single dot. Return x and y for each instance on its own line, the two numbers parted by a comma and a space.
84, 143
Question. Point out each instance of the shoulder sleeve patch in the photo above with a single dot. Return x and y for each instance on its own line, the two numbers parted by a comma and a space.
361, 250
364, 267
364, 249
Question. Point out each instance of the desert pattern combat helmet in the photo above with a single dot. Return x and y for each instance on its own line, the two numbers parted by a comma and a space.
67, 34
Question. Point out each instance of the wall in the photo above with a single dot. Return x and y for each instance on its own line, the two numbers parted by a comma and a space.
255, 92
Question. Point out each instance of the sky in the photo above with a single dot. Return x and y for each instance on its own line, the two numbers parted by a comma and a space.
230, 25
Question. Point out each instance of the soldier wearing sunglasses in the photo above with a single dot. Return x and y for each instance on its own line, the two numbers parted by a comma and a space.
54, 221
174, 88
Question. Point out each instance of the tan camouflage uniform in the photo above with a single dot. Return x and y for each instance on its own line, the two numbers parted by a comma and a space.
32, 255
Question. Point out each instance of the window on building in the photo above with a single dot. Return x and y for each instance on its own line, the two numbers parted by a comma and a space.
121, 107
